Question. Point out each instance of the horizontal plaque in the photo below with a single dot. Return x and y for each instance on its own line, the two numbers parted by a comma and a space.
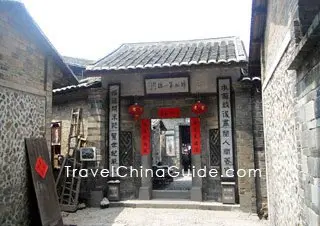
167, 85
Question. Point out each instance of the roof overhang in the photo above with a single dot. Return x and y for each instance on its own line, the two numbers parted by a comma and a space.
258, 20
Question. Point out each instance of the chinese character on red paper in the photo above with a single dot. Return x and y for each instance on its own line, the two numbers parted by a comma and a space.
41, 167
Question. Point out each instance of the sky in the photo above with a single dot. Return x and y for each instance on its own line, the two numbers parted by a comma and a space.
91, 29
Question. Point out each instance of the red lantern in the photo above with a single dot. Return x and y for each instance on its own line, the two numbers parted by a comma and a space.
199, 108
136, 111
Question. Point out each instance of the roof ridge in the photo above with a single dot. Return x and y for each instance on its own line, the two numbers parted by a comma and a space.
98, 61
179, 41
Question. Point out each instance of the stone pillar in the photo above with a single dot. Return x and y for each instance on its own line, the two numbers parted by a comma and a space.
49, 74
244, 146
97, 121
145, 190
196, 190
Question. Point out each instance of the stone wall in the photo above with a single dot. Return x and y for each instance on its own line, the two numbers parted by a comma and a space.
290, 115
282, 155
22, 116
278, 23
308, 135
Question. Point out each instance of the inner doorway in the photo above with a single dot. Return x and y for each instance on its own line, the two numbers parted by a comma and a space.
171, 155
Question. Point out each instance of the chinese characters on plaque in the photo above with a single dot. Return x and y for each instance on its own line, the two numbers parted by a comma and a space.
167, 85
169, 112
195, 136
114, 109
225, 120
145, 136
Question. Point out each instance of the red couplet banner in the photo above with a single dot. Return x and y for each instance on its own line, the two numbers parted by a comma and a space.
145, 126
195, 136
169, 113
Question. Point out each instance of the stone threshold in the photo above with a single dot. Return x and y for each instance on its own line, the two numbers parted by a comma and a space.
176, 204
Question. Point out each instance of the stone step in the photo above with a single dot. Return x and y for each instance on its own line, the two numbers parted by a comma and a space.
170, 194
176, 204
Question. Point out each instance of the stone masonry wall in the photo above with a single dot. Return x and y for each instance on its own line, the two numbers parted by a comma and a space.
282, 155
308, 135
22, 116
290, 117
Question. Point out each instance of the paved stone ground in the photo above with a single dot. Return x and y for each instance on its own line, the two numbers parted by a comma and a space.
157, 217
180, 183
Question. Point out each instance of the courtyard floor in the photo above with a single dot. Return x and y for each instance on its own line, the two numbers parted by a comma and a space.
124, 216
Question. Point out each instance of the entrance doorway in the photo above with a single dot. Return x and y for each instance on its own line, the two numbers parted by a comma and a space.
171, 155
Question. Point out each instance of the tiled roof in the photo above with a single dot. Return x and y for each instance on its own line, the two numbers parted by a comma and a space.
173, 53
78, 62
90, 82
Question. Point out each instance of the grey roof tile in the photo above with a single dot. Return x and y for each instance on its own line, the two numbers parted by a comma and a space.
77, 61
173, 53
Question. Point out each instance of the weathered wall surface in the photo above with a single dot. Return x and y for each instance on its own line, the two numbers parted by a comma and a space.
244, 150
62, 113
290, 118
308, 135
22, 116
282, 156
201, 80
259, 151
25, 104
277, 33
21, 60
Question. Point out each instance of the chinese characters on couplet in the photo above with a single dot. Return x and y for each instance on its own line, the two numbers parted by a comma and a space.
195, 136
145, 136
225, 117
114, 108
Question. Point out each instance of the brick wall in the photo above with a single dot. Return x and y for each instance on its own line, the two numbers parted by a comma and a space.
62, 113
21, 60
244, 146
259, 151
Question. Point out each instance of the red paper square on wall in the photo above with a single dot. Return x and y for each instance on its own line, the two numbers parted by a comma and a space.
41, 167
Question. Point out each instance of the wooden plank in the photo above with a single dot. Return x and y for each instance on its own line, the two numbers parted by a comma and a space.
44, 184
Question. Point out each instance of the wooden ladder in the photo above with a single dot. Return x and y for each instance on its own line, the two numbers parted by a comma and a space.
68, 183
